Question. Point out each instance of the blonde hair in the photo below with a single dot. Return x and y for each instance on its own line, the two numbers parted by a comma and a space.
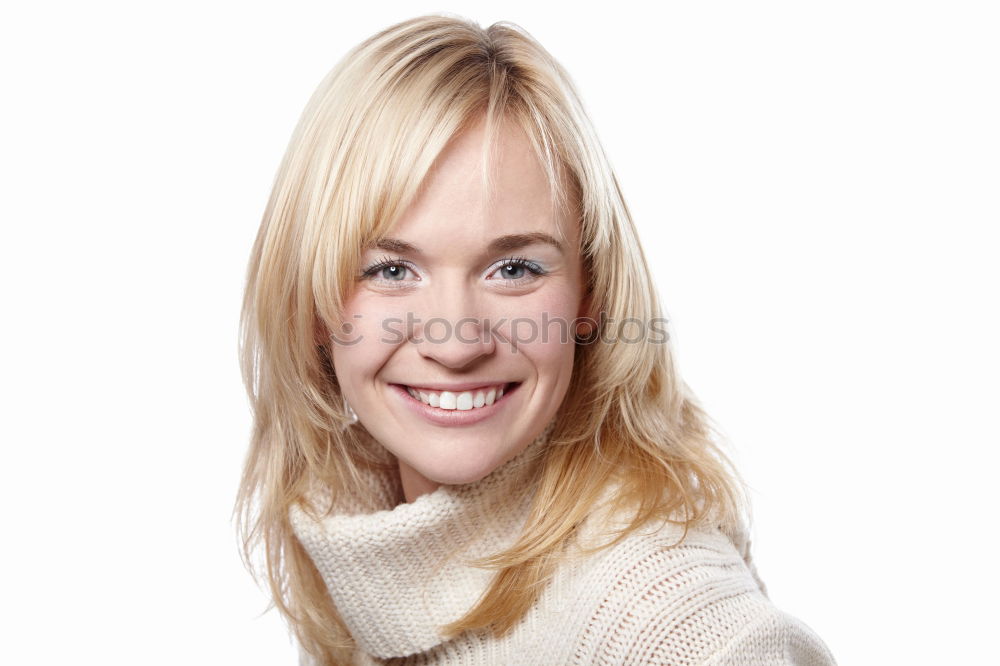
358, 155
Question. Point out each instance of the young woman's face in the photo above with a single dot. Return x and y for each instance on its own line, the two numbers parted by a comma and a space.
461, 300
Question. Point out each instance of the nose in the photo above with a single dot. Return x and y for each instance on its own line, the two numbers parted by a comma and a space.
453, 335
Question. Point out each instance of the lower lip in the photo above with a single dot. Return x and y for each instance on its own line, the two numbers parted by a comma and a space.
453, 417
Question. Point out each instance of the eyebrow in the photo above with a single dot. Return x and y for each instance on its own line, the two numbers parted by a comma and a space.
506, 243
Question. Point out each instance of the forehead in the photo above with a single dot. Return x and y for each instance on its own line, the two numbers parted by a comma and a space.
475, 192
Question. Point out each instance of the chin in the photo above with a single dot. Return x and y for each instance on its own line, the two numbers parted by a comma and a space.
454, 470
459, 474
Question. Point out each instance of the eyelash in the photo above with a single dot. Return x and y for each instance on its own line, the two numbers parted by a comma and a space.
530, 266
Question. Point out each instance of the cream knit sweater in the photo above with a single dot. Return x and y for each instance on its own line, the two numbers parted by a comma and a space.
396, 574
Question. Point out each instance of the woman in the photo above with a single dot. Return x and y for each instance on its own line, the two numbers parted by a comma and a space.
470, 442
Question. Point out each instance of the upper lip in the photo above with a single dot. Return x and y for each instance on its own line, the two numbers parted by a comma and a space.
457, 386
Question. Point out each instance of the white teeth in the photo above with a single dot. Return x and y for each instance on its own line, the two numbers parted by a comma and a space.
461, 401
448, 400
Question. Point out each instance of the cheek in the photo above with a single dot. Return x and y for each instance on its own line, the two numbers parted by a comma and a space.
543, 330
362, 343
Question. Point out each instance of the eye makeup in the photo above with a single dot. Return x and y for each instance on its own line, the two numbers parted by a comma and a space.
532, 267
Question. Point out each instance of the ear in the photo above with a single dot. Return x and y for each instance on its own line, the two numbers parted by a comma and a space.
588, 306
320, 334
587, 314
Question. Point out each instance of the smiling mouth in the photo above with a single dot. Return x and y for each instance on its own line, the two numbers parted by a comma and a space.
461, 400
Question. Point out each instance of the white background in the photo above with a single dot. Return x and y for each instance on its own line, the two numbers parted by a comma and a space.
816, 185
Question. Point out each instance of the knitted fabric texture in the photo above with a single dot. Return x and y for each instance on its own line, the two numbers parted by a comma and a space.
400, 572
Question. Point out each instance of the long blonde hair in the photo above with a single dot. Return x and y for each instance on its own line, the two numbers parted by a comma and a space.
358, 155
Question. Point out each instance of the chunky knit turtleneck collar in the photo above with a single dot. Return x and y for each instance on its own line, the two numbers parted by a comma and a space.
398, 574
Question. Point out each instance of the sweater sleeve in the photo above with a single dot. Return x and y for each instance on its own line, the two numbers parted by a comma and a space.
699, 602
774, 639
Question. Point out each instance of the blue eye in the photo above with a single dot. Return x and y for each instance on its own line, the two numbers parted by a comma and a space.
393, 272
516, 269
387, 269
513, 268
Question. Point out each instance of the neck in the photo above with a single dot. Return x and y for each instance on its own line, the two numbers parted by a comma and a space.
414, 483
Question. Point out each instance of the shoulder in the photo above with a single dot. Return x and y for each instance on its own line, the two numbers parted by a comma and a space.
664, 599
774, 637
